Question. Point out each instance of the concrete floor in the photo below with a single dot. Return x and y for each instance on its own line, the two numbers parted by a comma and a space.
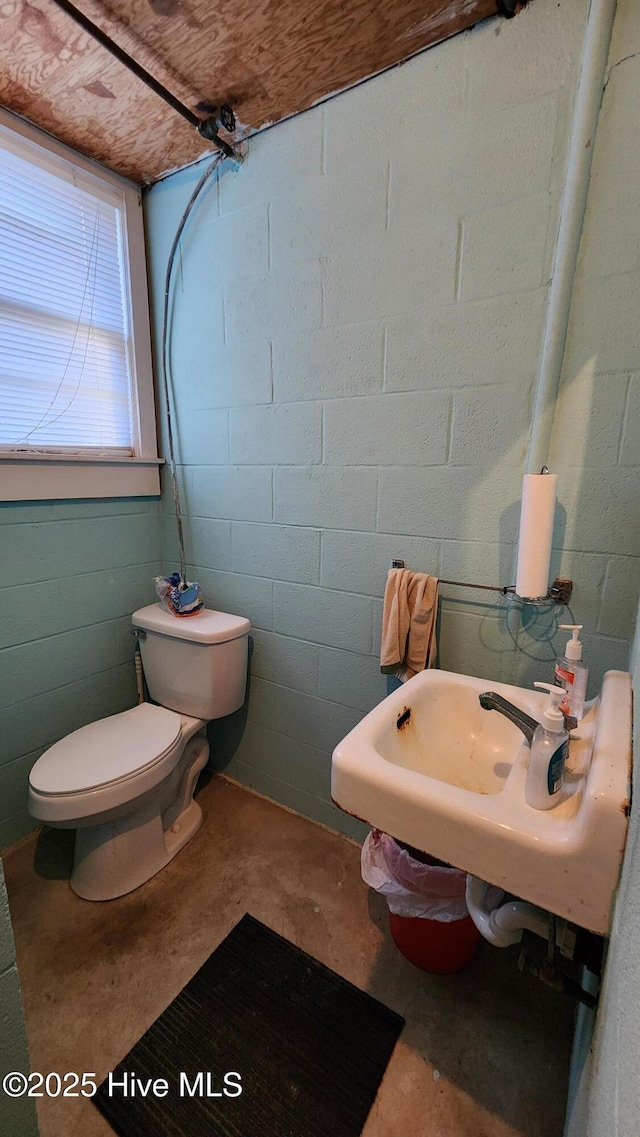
484, 1053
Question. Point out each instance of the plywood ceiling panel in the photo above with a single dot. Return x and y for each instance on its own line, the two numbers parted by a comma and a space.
268, 58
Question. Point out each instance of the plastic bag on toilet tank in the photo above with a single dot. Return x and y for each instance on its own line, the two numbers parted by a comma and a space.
180, 597
432, 891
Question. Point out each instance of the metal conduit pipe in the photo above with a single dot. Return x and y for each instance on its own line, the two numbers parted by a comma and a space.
207, 127
591, 81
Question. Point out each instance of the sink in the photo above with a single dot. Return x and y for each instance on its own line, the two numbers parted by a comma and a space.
432, 768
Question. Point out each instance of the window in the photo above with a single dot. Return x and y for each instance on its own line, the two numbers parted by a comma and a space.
76, 389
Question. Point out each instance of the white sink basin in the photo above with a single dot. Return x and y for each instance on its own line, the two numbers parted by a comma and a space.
432, 768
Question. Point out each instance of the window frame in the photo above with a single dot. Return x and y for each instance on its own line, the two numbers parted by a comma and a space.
58, 476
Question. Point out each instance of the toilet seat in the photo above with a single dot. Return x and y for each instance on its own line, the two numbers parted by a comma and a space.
107, 752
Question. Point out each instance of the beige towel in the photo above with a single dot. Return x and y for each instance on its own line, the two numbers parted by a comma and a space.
409, 623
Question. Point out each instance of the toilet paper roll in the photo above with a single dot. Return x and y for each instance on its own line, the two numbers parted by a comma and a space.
536, 532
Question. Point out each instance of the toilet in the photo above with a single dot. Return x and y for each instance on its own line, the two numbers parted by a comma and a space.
126, 782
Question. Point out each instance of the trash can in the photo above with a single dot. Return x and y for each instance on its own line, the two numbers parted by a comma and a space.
428, 917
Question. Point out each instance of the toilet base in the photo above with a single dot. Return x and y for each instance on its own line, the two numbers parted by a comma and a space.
115, 857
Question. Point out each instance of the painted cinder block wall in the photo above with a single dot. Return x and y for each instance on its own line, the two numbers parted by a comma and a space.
356, 337
595, 445
605, 1073
17, 1115
604, 323
72, 572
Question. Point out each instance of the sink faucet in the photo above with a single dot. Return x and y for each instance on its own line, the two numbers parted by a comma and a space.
491, 701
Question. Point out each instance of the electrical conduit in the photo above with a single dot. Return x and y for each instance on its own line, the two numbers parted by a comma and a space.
591, 80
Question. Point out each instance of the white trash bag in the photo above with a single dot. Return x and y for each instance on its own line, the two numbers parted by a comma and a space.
433, 892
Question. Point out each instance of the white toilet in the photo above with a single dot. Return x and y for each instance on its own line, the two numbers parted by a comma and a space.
126, 782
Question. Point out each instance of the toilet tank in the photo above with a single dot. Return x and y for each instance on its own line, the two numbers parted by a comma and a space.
196, 665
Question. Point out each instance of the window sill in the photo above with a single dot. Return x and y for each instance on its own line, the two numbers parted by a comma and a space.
44, 478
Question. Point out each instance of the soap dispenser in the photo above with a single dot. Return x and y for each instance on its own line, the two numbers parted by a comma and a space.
572, 674
549, 747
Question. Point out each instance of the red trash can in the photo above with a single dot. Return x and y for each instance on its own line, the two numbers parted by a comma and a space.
433, 946
441, 945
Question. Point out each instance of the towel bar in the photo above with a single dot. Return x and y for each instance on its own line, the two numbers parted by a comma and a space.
559, 592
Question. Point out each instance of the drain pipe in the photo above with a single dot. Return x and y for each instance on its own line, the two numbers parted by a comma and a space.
591, 81
502, 924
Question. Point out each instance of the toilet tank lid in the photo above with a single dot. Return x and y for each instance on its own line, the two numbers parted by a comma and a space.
206, 627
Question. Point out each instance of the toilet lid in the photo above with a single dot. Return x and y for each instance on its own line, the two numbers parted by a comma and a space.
205, 627
106, 751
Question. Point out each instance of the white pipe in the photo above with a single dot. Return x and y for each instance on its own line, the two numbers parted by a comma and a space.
591, 80
517, 915
502, 925
475, 896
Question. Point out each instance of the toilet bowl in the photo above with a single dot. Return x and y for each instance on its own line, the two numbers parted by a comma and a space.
126, 782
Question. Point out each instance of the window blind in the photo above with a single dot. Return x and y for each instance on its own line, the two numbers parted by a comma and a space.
65, 341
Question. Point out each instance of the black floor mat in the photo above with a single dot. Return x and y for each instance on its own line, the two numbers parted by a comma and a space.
310, 1050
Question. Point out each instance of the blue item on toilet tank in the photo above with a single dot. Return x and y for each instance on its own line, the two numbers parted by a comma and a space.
181, 597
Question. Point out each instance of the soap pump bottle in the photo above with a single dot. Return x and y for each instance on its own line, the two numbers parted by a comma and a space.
572, 674
549, 747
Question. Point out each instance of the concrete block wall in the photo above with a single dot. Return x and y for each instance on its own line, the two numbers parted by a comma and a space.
603, 358
72, 574
356, 338
17, 1115
596, 439
605, 1065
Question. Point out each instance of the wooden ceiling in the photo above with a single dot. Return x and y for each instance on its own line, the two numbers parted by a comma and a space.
268, 58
